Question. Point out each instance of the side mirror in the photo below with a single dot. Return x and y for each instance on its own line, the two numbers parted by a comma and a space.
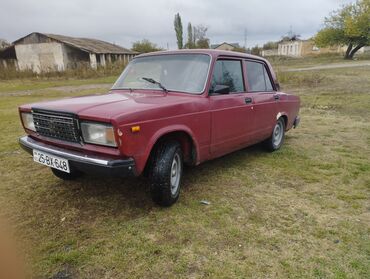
221, 89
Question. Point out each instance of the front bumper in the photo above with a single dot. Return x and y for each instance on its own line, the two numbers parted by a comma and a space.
80, 161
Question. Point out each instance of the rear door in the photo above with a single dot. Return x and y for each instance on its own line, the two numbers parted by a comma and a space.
265, 98
231, 113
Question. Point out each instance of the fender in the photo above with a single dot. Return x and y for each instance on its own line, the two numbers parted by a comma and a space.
161, 132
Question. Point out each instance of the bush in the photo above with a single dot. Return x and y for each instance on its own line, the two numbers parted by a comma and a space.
81, 71
309, 79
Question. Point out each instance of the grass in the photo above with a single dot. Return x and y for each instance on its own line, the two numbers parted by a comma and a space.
301, 212
47, 83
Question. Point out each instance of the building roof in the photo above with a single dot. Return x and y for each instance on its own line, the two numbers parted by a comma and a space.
86, 44
236, 45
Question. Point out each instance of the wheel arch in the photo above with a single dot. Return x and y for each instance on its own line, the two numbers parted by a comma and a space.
181, 134
284, 116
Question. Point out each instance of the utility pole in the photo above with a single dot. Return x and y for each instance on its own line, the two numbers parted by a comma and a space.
290, 34
245, 39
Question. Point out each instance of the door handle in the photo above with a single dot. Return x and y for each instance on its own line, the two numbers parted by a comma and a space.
276, 97
248, 100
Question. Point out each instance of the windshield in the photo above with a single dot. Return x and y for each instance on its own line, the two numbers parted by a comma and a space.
176, 72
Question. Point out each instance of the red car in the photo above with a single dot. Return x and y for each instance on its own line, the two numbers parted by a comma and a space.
167, 109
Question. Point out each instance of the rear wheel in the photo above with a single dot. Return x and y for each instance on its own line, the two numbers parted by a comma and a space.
277, 138
72, 175
165, 173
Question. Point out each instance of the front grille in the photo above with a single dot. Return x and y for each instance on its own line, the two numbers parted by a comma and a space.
55, 125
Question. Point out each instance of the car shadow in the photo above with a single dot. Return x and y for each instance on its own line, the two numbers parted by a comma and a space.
130, 197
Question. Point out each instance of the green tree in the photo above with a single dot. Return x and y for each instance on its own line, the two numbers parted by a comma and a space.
270, 45
178, 30
191, 41
347, 26
256, 50
145, 46
240, 49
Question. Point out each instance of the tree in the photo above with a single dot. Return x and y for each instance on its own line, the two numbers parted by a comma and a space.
145, 46
270, 45
200, 36
256, 50
191, 41
240, 49
347, 26
4, 43
178, 29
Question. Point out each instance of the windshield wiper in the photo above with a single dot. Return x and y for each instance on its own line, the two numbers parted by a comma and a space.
155, 82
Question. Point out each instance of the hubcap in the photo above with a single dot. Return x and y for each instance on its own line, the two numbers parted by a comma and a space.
175, 174
278, 133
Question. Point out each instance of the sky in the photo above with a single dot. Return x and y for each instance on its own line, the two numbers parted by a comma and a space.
124, 22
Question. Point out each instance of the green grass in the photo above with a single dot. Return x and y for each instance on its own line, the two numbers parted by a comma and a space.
303, 62
301, 212
43, 83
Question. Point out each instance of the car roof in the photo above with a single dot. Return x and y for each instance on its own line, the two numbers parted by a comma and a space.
212, 52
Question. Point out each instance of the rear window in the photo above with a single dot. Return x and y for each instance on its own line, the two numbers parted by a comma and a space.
258, 78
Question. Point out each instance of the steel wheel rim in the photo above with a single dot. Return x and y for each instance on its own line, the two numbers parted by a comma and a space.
278, 133
175, 174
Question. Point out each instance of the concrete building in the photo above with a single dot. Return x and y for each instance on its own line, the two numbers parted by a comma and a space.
269, 52
301, 48
225, 46
49, 52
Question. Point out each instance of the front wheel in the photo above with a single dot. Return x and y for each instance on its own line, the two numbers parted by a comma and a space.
277, 138
165, 173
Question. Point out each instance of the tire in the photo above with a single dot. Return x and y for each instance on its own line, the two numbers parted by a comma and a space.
74, 174
276, 140
165, 173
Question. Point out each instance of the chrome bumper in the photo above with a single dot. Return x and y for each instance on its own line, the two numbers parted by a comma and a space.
80, 161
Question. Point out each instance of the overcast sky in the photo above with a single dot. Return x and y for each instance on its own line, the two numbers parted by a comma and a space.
123, 22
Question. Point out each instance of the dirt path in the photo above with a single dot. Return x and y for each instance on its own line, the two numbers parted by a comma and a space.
331, 66
64, 89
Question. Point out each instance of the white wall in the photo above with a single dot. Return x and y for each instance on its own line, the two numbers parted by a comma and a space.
290, 48
40, 57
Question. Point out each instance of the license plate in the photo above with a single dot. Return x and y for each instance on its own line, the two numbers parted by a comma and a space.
50, 160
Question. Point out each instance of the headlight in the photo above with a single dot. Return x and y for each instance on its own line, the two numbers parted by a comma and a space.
27, 120
98, 133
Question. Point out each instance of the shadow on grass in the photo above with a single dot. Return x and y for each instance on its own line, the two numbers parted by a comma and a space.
130, 197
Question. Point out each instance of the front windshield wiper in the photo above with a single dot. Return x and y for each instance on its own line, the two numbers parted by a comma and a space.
155, 82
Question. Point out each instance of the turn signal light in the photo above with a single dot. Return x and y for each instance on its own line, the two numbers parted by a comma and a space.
135, 129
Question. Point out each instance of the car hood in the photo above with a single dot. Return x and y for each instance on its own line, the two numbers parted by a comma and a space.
116, 103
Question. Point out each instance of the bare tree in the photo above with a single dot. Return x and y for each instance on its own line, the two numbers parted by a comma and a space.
4, 43
200, 36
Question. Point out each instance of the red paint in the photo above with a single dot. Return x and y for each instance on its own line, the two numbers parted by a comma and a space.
216, 125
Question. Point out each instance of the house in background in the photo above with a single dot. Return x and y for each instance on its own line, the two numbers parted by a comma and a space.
225, 46
49, 52
302, 48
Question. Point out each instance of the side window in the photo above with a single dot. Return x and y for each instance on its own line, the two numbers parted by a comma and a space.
229, 73
258, 78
